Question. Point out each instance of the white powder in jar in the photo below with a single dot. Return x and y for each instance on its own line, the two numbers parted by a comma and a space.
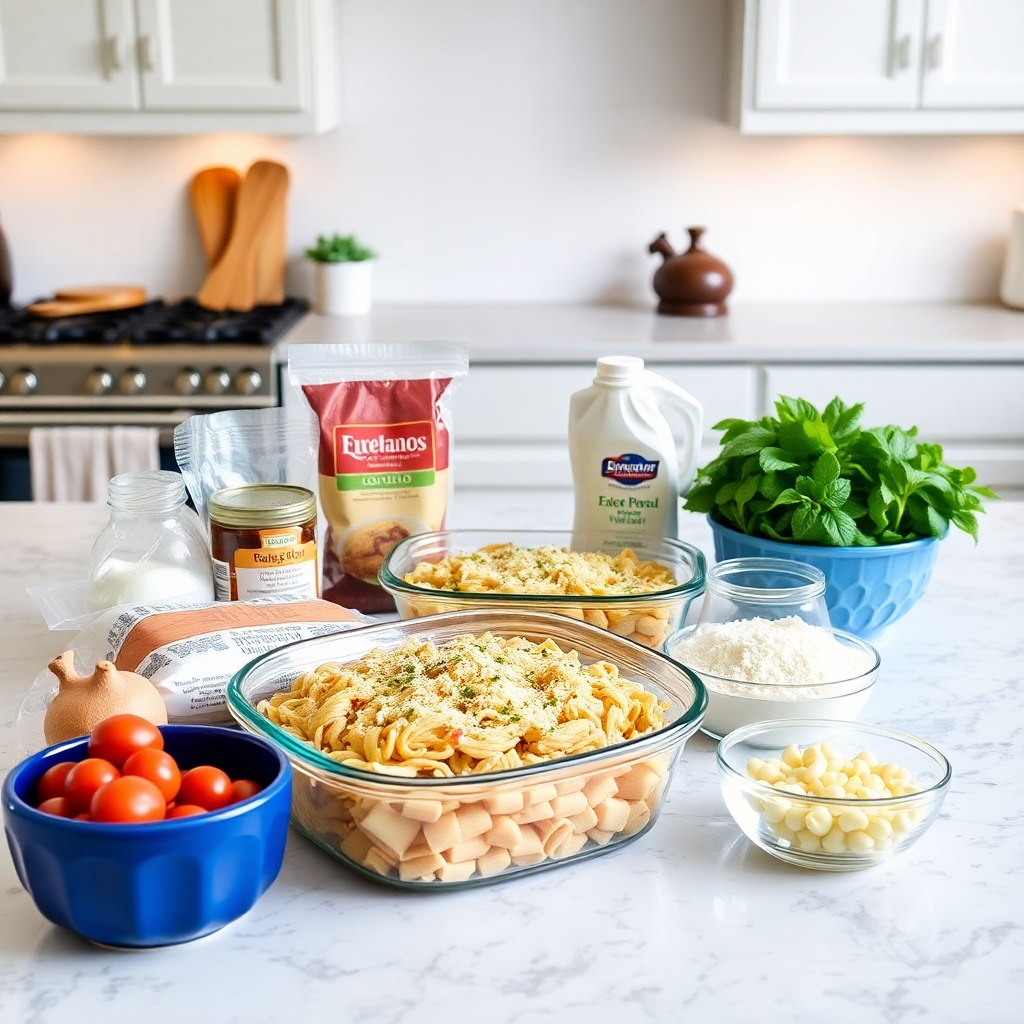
776, 654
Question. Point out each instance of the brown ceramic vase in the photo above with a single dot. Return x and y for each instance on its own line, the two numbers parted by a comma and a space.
693, 283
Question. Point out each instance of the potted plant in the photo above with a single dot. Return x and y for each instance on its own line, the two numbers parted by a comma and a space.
342, 275
866, 506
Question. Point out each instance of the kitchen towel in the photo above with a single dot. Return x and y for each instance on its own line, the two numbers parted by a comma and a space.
76, 463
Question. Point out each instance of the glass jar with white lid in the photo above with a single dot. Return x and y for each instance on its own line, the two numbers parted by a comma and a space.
153, 549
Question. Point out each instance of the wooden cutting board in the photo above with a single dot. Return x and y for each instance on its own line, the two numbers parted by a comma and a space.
90, 299
231, 284
213, 192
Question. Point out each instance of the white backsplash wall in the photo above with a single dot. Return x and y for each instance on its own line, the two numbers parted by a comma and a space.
529, 150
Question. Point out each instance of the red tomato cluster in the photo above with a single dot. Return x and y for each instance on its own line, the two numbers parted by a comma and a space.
128, 777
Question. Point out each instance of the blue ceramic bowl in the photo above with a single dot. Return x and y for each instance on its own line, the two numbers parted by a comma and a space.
162, 882
866, 589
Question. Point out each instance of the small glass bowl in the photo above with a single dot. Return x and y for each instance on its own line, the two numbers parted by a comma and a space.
644, 618
396, 829
733, 703
766, 588
770, 817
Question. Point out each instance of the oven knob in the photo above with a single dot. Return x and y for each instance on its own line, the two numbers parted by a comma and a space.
132, 382
99, 381
187, 382
24, 382
247, 382
3, 380
217, 381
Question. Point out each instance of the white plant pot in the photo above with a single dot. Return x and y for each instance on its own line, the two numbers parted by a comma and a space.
343, 289
1011, 290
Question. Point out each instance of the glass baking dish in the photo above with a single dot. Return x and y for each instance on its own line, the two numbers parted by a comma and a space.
646, 618
429, 833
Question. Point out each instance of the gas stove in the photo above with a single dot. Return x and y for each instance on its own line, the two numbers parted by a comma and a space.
153, 357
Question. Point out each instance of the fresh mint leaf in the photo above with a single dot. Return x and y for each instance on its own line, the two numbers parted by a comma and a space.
748, 443
804, 520
826, 469
790, 496
776, 458
837, 493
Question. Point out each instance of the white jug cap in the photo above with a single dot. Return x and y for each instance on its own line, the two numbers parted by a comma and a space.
619, 367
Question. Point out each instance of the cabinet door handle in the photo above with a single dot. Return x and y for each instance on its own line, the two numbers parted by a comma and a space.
146, 53
115, 52
903, 53
935, 52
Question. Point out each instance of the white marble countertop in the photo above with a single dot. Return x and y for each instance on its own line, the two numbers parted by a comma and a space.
691, 922
784, 333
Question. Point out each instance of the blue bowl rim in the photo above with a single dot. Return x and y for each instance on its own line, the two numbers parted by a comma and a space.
879, 551
13, 803
746, 732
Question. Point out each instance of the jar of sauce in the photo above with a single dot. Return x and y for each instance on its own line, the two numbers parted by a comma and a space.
263, 539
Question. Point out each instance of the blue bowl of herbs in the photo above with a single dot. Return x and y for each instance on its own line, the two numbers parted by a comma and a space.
866, 506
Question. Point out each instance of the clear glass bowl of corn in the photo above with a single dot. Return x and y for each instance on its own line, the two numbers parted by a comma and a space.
828, 795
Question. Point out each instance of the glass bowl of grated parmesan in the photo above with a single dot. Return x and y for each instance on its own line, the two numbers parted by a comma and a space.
761, 669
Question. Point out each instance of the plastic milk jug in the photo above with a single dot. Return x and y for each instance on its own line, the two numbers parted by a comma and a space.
625, 470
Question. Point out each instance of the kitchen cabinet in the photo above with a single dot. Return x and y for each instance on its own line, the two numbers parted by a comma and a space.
876, 66
167, 66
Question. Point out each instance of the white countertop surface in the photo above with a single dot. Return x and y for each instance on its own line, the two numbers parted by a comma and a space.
691, 922
809, 333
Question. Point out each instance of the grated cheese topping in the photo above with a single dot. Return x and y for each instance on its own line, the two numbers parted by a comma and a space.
507, 569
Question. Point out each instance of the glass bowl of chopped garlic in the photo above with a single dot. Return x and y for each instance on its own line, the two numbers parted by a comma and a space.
828, 795
638, 588
471, 747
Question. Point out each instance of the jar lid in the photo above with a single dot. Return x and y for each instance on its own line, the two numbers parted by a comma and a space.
262, 506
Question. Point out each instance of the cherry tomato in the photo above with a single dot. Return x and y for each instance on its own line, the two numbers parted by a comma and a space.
84, 779
159, 767
242, 789
56, 805
206, 786
185, 811
129, 799
52, 782
116, 738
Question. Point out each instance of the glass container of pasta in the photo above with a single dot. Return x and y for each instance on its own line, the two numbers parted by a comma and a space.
470, 747
638, 588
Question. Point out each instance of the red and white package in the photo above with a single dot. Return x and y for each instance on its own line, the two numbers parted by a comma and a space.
385, 440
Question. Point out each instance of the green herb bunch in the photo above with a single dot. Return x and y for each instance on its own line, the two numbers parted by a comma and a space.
818, 478
339, 249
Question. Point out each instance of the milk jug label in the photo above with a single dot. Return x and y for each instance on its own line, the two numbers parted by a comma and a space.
629, 469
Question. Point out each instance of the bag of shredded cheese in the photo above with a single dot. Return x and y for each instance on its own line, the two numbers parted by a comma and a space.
385, 441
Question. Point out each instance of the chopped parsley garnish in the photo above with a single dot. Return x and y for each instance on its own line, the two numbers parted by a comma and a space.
544, 652
516, 718
409, 713
553, 703
506, 710
494, 679
467, 691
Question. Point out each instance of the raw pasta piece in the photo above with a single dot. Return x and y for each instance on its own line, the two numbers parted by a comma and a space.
494, 861
573, 785
530, 849
600, 836
504, 832
641, 780
375, 861
391, 830
639, 815
420, 867
612, 814
505, 803
553, 834
571, 844
534, 812
473, 821
422, 810
600, 787
584, 821
456, 872
567, 806
356, 845
541, 794
469, 850
449, 805
443, 833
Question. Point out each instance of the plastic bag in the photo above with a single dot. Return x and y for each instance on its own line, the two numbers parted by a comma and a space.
385, 439
245, 446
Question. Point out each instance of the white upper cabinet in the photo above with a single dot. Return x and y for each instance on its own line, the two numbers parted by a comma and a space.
838, 54
222, 54
974, 55
67, 54
876, 66
167, 66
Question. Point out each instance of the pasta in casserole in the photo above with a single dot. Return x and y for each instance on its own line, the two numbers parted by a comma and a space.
476, 704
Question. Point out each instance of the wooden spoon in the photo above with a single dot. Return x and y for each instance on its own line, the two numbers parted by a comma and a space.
272, 255
213, 191
231, 284
95, 299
